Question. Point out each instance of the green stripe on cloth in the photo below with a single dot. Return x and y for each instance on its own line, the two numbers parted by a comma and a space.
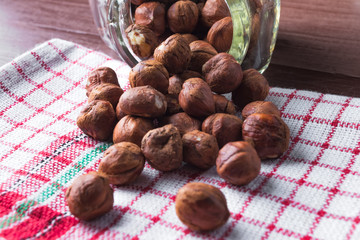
54, 186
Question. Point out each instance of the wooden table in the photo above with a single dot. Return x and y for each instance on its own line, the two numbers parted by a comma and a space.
318, 45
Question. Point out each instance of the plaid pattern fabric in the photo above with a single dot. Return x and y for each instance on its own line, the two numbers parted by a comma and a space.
311, 192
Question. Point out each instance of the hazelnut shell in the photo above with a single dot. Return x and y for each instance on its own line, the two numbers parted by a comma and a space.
183, 16
151, 15
260, 107
220, 34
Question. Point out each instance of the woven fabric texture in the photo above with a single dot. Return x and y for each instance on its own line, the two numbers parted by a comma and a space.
311, 192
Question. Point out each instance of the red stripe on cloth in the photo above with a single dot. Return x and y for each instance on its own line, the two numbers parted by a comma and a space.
7, 201
59, 228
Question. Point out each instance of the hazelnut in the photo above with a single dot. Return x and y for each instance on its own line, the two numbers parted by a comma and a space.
173, 105
151, 15
162, 148
132, 129
225, 127
90, 196
223, 105
183, 16
150, 72
189, 38
200, 149
201, 207
107, 92
137, 2
238, 163
213, 11
254, 87
143, 101
99, 76
196, 98
119, 113
223, 73
177, 80
220, 34
122, 163
142, 40
97, 119
268, 133
174, 53
201, 52
259, 107
183, 122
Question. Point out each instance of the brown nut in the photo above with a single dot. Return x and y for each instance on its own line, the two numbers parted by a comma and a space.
220, 34
189, 38
259, 107
200, 149
183, 16
97, 119
238, 163
173, 105
201, 52
213, 11
119, 113
132, 129
137, 2
254, 87
201, 207
143, 101
223, 105
183, 122
196, 98
152, 15
122, 163
162, 148
268, 133
225, 127
142, 40
223, 73
177, 80
99, 76
150, 72
90, 196
107, 92
174, 53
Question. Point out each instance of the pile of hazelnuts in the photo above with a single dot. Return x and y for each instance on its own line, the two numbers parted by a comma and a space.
173, 113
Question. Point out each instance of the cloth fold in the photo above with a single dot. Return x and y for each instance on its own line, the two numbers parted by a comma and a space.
311, 192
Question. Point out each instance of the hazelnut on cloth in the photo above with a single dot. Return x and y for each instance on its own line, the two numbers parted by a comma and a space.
144, 101
259, 107
254, 87
107, 92
174, 53
196, 98
268, 133
238, 163
122, 163
201, 207
223, 73
97, 119
132, 129
162, 148
183, 16
142, 40
99, 76
200, 149
225, 127
90, 196
151, 15
150, 72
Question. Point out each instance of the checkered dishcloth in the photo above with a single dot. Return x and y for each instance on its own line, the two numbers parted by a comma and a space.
311, 192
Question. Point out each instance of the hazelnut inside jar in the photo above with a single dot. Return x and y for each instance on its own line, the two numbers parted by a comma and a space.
250, 47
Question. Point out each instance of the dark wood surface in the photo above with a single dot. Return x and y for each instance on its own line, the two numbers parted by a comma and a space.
318, 45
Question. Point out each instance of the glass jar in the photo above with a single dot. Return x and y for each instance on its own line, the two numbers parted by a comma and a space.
255, 27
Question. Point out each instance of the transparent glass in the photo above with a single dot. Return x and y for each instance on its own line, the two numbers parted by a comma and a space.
255, 27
